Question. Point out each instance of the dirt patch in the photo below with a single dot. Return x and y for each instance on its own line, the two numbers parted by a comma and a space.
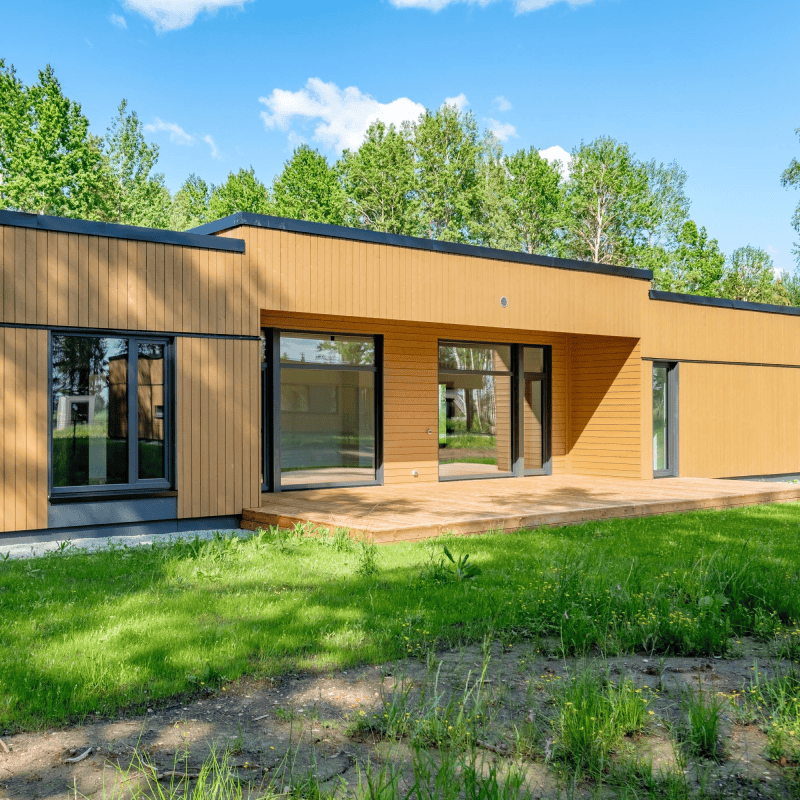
310, 724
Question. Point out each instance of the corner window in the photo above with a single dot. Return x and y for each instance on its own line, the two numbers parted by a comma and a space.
110, 414
665, 419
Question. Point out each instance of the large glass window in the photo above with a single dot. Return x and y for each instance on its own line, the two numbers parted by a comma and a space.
327, 409
475, 410
535, 426
102, 388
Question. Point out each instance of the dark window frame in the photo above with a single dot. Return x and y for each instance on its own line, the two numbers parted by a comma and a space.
271, 406
671, 419
517, 375
135, 486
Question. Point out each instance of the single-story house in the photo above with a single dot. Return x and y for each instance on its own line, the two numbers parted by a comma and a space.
166, 380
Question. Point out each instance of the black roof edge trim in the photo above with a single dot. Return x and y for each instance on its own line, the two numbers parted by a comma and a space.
111, 230
723, 302
413, 242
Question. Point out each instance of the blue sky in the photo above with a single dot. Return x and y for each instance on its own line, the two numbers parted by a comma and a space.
711, 84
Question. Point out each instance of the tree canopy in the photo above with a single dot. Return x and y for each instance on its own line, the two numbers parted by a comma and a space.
437, 177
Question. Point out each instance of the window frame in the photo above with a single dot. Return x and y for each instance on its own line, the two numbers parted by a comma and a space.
671, 418
135, 485
271, 366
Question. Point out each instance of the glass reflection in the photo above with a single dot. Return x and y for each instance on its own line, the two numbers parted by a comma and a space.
474, 425
327, 426
660, 455
152, 456
327, 349
89, 413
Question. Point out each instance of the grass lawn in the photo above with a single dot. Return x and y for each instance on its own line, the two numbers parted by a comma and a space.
125, 628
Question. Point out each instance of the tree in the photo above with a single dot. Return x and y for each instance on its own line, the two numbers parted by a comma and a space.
697, 264
49, 162
750, 275
138, 195
190, 204
534, 199
241, 191
607, 199
791, 177
447, 154
308, 189
379, 182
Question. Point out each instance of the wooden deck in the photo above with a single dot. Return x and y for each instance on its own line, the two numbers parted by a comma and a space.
399, 513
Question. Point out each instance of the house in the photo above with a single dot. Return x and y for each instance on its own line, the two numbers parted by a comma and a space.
166, 380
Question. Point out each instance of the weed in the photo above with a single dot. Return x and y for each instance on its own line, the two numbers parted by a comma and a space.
777, 703
367, 558
594, 714
701, 728
461, 569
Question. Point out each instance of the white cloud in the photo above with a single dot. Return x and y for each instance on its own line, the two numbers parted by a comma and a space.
523, 6
520, 6
342, 116
170, 15
459, 101
501, 103
176, 133
435, 5
118, 20
502, 130
212, 144
557, 153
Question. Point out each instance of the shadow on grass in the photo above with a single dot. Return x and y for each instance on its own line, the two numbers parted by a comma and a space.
129, 628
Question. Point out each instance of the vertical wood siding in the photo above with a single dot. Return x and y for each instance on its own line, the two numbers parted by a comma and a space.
23, 432
317, 275
605, 405
218, 426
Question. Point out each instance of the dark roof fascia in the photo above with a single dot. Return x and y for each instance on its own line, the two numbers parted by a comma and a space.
723, 302
413, 242
108, 230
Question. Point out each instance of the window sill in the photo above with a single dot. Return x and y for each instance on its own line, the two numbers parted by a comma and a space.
83, 497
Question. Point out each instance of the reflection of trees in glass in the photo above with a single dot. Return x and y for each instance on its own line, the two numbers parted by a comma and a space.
358, 352
659, 417
80, 365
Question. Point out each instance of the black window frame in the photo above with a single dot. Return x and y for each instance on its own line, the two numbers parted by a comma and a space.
517, 373
271, 406
671, 419
135, 486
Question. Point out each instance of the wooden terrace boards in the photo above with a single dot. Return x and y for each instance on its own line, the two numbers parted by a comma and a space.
402, 513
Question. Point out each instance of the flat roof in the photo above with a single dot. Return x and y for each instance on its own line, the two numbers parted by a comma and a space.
723, 302
415, 243
109, 230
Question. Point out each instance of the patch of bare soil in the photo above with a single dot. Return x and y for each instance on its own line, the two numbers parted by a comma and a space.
285, 730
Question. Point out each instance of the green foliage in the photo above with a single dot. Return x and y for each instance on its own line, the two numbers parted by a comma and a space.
190, 204
308, 189
607, 202
137, 195
701, 728
49, 162
594, 714
749, 275
367, 558
697, 265
448, 156
242, 191
460, 569
379, 182
775, 703
533, 196
791, 177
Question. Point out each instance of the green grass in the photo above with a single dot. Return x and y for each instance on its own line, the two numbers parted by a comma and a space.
127, 628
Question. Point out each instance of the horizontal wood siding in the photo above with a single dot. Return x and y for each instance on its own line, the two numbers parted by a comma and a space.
411, 384
738, 420
67, 279
605, 406
23, 429
218, 426
318, 275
